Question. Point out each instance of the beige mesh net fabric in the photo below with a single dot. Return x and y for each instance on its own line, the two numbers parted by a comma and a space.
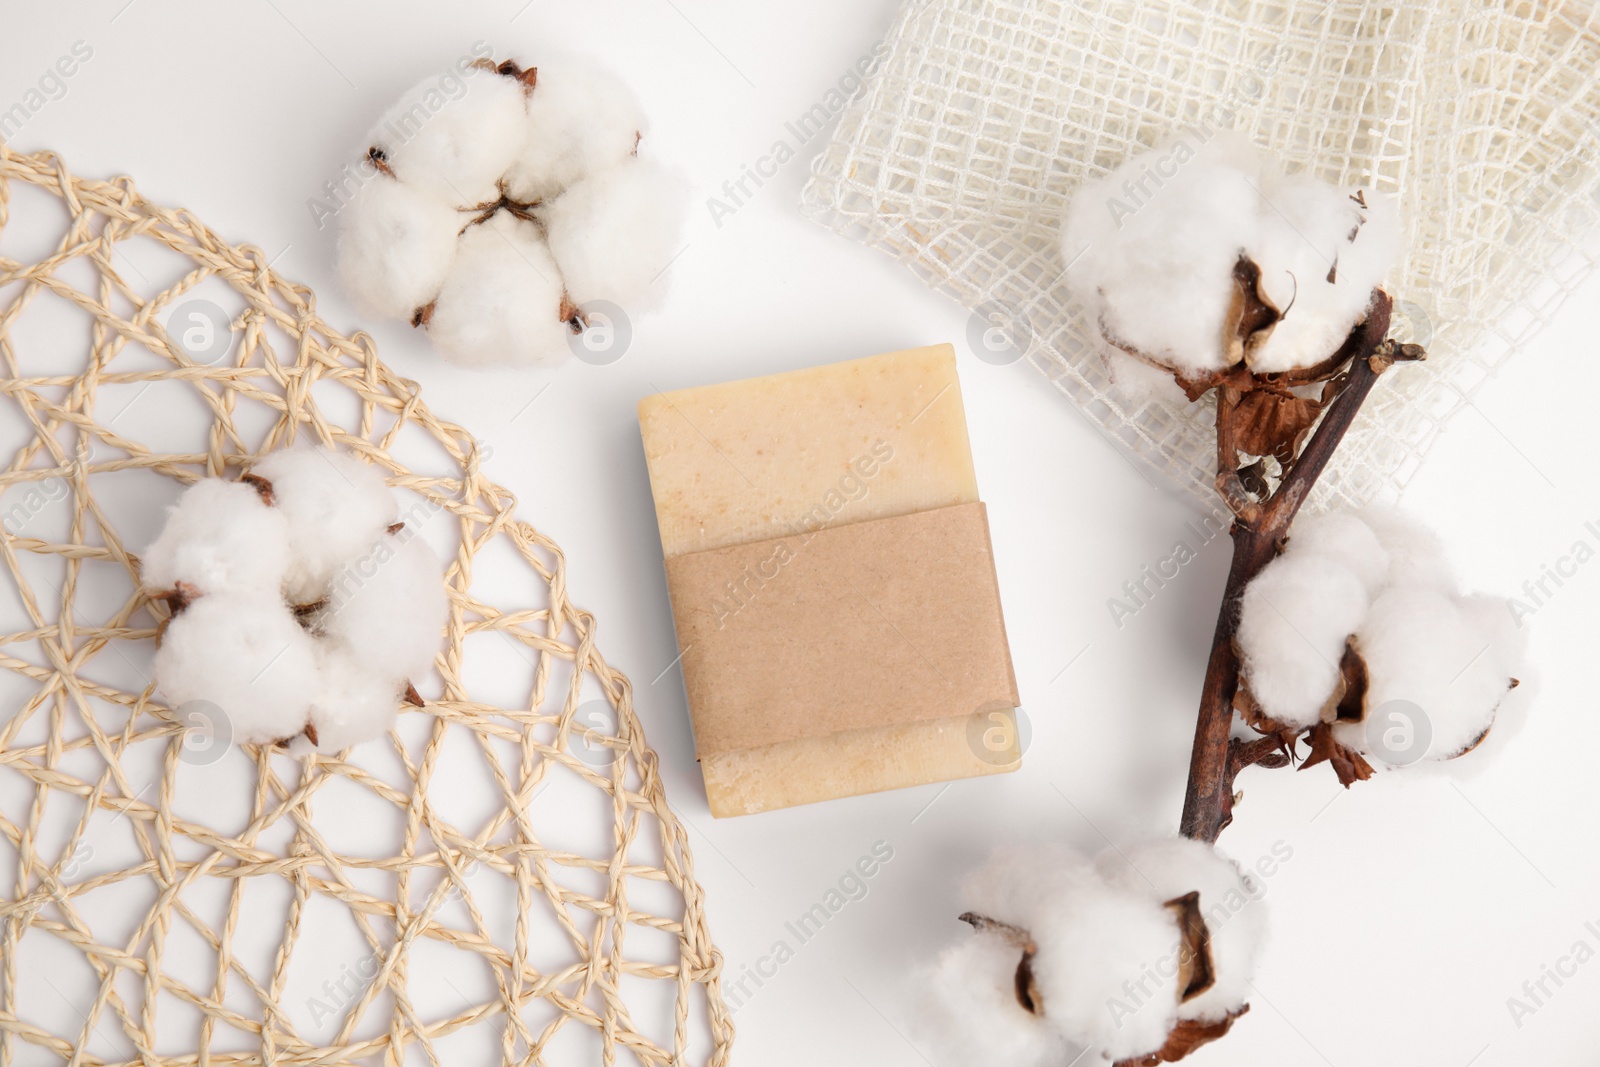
1482, 116
499, 880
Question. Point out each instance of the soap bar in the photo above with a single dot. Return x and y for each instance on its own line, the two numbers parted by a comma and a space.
832, 581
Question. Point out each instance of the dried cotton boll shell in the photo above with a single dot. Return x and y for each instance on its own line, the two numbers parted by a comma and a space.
1294, 619
1230, 902
1152, 246
246, 654
1342, 538
395, 246
336, 506
1313, 272
502, 302
352, 703
454, 149
220, 537
967, 1013
388, 608
580, 120
614, 233
1448, 659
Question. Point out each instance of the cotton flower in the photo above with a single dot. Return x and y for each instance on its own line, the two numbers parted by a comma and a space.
1322, 250
300, 608
1294, 620
501, 304
1166, 251
245, 654
490, 218
1130, 955
336, 507
220, 537
1361, 615
581, 121
352, 701
1230, 903
397, 247
613, 233
387, 607
968, 1007
454, 149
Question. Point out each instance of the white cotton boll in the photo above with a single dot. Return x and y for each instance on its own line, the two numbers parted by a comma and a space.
967, 1014
1091, 940
501, 302
1416, 554
395, 246
1304, 238
454, 148
1152, 246
1020, 885
1341, 537
581, 120
388, 607
1138, 384
1443, 656
1098, 970
615, 232
220, 537
336, 506
1294, 619
245, 654
353, 703
1230, 902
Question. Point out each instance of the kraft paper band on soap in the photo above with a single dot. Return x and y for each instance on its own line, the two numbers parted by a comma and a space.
875, 623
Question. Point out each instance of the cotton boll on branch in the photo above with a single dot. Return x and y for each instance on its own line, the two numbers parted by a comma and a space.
395, 246
581, 120
1163, 253
503, 300
614, 233
1321, 252
336, 506
352, 703
246, 654
220, 537
1152, 246
388, 608
1294, 619
454, 149
967, 1012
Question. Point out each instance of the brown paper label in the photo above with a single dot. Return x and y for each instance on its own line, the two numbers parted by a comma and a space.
888, 621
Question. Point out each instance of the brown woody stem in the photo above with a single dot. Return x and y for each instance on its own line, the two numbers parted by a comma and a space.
1259, 530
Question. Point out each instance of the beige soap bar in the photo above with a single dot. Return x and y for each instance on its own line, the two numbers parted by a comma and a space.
776, 459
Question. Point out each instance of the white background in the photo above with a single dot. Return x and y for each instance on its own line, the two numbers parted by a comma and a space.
1412, 906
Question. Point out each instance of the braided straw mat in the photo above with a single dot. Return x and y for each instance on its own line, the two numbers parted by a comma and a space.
1481, 116
499, 880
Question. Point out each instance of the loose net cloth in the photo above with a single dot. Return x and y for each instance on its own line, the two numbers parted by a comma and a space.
499, 880
1482, 116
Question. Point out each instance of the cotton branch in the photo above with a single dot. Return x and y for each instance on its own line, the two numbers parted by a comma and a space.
1260, 526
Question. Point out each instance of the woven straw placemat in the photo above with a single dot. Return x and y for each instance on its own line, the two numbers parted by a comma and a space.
499, 880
